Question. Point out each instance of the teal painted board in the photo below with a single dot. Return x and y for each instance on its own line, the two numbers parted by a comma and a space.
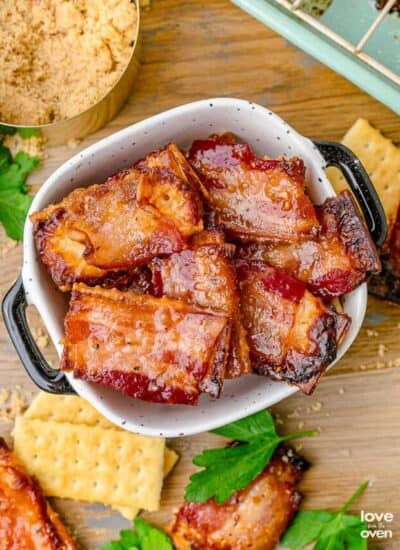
350, 19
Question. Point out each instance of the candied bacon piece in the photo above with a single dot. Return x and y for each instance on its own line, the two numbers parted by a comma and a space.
291, 333
169, 183
100, 232
255, 517
253, 199
104, 231
204, 275
27, 521
335, 262
155, 349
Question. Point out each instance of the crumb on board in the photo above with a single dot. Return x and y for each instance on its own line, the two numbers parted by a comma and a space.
6, 245
372, 333
317, 406
382, 349
33, 145
41, 337
341, 391
13, 403
73, 143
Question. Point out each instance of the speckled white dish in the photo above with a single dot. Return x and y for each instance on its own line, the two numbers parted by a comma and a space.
267, 134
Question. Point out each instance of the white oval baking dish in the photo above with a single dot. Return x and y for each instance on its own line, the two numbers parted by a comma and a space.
267, 134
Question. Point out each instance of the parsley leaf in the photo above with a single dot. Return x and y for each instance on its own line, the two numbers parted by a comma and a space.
28, 132
232, 468
145, 537
329, 530
14, 201
13, 209
7, 130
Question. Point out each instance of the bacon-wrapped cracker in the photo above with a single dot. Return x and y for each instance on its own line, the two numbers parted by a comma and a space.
155, 349
27, 521
337, 261
255, 517
253, 199
291, 333
204, 275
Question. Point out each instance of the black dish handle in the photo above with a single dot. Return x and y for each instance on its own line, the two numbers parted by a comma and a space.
14, 314
336, 154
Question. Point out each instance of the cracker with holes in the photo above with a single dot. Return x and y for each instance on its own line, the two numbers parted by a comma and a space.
93, 464
381, 159
75, 410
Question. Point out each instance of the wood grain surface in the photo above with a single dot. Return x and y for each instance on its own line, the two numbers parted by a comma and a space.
193, 50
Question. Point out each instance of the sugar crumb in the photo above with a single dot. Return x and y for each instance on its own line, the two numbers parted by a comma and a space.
382, 349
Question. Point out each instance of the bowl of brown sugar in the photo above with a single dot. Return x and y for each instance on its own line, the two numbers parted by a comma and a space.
68, 66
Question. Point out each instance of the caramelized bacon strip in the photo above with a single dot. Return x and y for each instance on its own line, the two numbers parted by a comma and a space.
204, 275
100, 232
253, 199
26, 519
155, 349
255, 517
341, 258
291, 333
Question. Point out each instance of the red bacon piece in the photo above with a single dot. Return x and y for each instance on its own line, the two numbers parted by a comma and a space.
253, 199
334, 263
255, 517
291, 333
155, 349
204, 275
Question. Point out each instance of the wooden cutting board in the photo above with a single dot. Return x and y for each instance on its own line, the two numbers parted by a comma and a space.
193, 50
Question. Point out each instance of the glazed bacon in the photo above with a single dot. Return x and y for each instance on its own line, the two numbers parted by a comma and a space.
291, 333
204, 275
27, 521
255, 517
253, 199
100, 234
337, 261
155, 349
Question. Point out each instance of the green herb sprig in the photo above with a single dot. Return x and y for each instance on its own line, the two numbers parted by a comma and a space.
14, 198
145, 537
230, 469
328, 530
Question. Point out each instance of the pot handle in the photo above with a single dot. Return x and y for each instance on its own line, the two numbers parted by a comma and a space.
336, 154
42, 374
